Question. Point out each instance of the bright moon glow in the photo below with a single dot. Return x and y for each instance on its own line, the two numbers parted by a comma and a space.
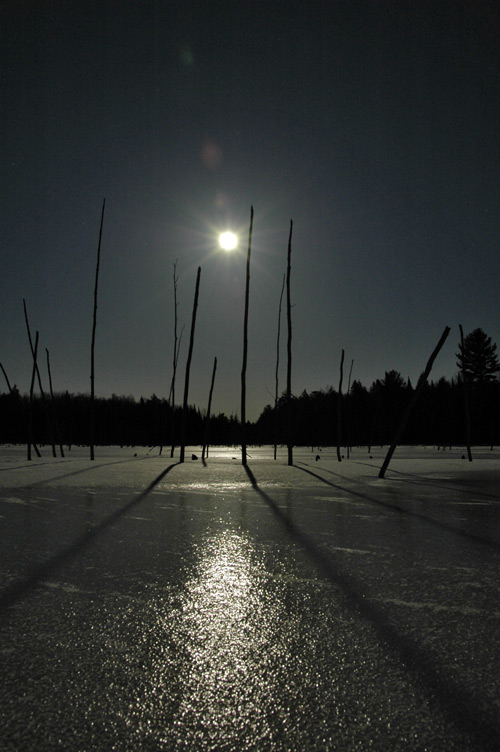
228, 241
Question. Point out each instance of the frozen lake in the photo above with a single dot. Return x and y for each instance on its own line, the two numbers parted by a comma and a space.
148, 605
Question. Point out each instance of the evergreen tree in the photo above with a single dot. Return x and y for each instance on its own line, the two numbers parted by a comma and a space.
477, 358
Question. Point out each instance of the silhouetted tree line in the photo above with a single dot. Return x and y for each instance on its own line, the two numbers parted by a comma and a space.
370, 417
118, 420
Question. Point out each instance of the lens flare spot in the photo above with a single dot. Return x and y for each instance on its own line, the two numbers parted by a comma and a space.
211, 155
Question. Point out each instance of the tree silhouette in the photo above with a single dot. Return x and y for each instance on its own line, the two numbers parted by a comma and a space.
289, 350
188, 367
245, 350
422, 381
477, 357
92, 346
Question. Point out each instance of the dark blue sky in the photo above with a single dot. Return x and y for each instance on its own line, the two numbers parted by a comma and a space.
374, 125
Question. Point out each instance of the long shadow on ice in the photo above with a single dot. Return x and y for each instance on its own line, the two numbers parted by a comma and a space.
459, 706
17, 590
86, 469
460, 484
401, 510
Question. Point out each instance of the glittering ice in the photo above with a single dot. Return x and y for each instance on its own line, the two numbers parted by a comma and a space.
151, 605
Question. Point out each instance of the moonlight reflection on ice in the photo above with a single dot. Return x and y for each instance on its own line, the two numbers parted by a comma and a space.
227, 621
211, 650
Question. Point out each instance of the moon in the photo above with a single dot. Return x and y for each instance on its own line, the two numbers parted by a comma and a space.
228, 241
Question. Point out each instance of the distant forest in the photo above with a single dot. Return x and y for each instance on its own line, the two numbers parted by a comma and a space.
368, 417
371, 417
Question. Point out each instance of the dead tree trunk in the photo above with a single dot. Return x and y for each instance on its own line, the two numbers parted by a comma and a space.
92, 347
188, 367
207, 419
30, 407
42, 393
171, 396
465, 383
277, 371
348, 412
174, 363
56, 423
289, 351
6, 379
420, 385
245, 350
339, 407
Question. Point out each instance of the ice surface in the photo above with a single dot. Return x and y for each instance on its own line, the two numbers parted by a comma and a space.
151, 605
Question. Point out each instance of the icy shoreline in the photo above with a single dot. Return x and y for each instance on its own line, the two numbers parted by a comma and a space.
134, 465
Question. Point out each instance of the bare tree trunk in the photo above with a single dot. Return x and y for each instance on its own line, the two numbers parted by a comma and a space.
6, 379
56, 424
339, 407
30, 409
245, 350
188, 367
289, 351
420, 385
465, 380
348, 412
92, 347
174, 364
207, 420
277, 371
42, 393
171, 396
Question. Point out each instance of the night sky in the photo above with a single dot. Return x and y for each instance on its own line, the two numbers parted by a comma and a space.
373, 125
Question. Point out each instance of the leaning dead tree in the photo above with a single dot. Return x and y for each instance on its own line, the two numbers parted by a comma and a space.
339, 407
92, 346
11, 391
289, 351
418, 389
465, 385
30, 407
277, 371
207, 419
42, 393
188, 367
245, 350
